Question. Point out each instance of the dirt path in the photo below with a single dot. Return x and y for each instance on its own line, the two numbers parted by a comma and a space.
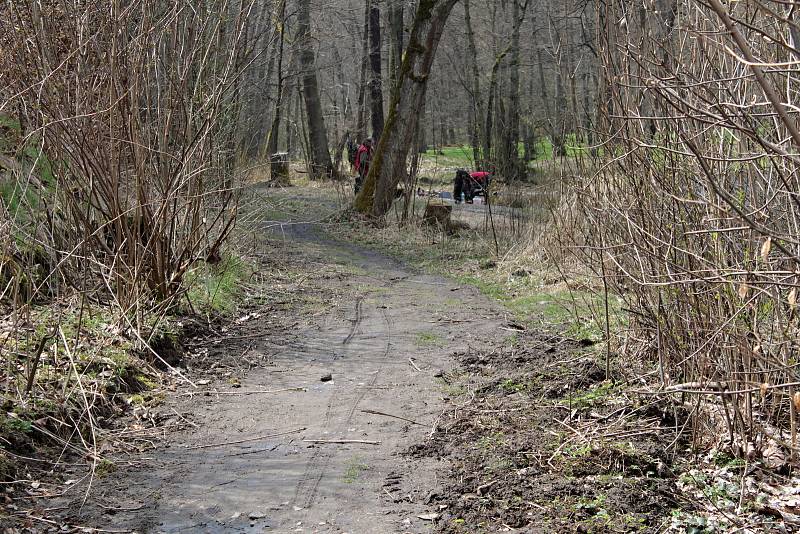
247, 465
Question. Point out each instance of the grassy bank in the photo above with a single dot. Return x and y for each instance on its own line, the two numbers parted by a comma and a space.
74, 366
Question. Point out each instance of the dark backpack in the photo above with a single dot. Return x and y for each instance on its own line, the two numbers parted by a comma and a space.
352, 150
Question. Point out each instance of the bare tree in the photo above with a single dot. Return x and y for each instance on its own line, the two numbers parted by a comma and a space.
376, 82
389, 163
320, 158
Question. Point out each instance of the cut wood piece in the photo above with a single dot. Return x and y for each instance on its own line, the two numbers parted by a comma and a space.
279, 169
438, 214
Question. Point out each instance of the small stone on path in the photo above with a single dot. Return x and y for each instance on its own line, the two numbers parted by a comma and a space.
326, 378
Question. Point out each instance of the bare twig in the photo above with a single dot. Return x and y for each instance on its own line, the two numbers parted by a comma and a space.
247, 440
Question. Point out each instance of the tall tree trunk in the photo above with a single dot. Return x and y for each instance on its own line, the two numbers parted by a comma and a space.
474, 139
361, 127
508, 153
552, 126
396, 39
389, 162
528, 143
560, 118
272, 140
422, 142
290, 110
588, 119
490, 106
478, 135
560, 115
317, 134
376, 83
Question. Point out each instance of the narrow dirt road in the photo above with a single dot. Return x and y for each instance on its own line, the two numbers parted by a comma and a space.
314, 440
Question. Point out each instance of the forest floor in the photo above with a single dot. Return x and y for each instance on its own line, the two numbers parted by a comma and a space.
380, 397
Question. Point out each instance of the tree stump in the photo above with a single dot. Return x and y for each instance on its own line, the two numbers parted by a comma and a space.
437, 214
279, 169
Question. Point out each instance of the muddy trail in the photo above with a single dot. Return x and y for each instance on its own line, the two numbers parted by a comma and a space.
312, 437
356, 394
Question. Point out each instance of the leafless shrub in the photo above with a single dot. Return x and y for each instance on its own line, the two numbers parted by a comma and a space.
126, 108
692, 214
117, 158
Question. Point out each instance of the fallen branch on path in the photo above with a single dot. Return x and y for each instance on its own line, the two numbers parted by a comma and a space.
246, 392
373, 412
343, 441
268, 436
414, 365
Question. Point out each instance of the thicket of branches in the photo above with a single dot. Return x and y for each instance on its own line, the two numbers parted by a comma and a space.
121, 117
118, 128
122, 127
693, 216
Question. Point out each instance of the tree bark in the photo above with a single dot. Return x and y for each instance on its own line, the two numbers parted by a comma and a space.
476, 99
508, 152
318, 138
272, 140
361, 127
396, 39
376, 83
489, 123
389, 162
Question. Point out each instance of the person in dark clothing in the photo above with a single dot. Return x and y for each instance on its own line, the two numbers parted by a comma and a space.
352, 150
469, 185
459, 184
363, 160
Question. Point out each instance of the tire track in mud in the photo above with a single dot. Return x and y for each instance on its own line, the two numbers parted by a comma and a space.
363, 340
356, 323
361, 396
307, 488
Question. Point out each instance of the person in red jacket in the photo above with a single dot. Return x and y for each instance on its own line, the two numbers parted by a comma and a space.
363, 160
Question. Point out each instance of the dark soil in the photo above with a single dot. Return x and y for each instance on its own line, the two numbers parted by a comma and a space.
538, 440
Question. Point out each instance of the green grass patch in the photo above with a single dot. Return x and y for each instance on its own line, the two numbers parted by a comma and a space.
448, 156
492, 441
217, 288
528, 302
105, 468
14, 425
511, 386
592, 397
428, 339
355, 467
452, 389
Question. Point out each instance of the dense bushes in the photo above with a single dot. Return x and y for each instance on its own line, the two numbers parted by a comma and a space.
692, 216
116, 182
